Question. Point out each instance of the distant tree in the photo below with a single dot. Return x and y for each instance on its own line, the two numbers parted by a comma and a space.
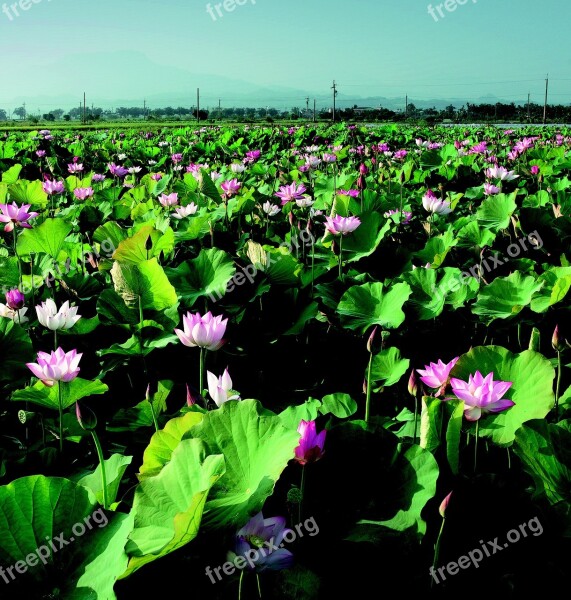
20, 112
3, 115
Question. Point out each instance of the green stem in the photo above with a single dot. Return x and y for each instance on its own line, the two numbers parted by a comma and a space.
60, 407
476, 444
437, 550
312, 266
17, 259
341, 257
415, 419
259, 587
558, 386
103, 473
201, 381
240, 585
368, 401
55, 339
302, 493
154, 416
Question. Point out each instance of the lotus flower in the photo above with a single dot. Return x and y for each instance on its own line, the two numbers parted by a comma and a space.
270, 209
304, 202
237, 168
435, 375
341, 225
13, 215
176, 158
311, 444
75, 168
181, 212
168, 200
52, 318
350, 193
117, 170
534, 170
481, 395
202, 331
97, 178
15, 299
16, 315
291, 193
252, 156
491, 190
83, 193
501, 173
57, 366
231, 187
257, 540
53, 187
219, 388
435, 206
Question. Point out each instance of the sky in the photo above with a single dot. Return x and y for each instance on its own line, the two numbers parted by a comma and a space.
126, 50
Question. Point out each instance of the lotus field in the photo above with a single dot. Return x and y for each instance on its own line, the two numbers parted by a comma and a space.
261, 362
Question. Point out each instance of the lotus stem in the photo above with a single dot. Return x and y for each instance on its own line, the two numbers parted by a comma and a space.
102, 464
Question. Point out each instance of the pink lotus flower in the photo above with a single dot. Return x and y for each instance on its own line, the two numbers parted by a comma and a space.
57, 366
15, 299
435, 375
40, 153
13, 215
75, 168
481, 395
350, 193
252, 156
434, 205
231, 187
329, 158
176, 158
400, 154
311, 444
491, 190
219, 388
181, 212
117, 170
49, 316
97, 178
202, 331
501, 173
341, 225
291, 193
83, 193
53, 187
534, 170
156, 176
169, 200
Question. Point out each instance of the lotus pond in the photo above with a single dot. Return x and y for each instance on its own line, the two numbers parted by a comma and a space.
285, 363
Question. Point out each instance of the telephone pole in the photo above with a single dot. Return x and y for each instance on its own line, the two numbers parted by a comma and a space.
307, 107
314, 110
406, 106
198, 105
84, 117
334, 88
545, 105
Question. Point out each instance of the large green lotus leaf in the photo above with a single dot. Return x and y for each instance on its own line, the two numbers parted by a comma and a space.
496, 211
112, 308
545, 451
506, 297
146, 280
109, 235
28, 192
367, 305
341, 406
427, 299
47, 237
163, 443
115, 467
15, 351
557, 285
206, 275
418, 472
292, 416
36, 509
11, 175
133, 250
207, 187
71, 392
388, 367
437, 248
366, 238
532, 391
256, 448
168, 508
9, 273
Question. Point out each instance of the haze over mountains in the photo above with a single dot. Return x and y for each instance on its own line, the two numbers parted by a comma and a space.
64, 81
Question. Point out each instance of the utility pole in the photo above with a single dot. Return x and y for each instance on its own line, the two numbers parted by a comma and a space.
314, 110
84, 114
198, 105
406, 106
219, 108
528, 113
334, 88
307, 107
144, 109
545, 105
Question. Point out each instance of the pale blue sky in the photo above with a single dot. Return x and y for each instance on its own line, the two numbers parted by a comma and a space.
126, 49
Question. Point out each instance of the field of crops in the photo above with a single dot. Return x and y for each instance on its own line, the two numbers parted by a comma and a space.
284, 362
